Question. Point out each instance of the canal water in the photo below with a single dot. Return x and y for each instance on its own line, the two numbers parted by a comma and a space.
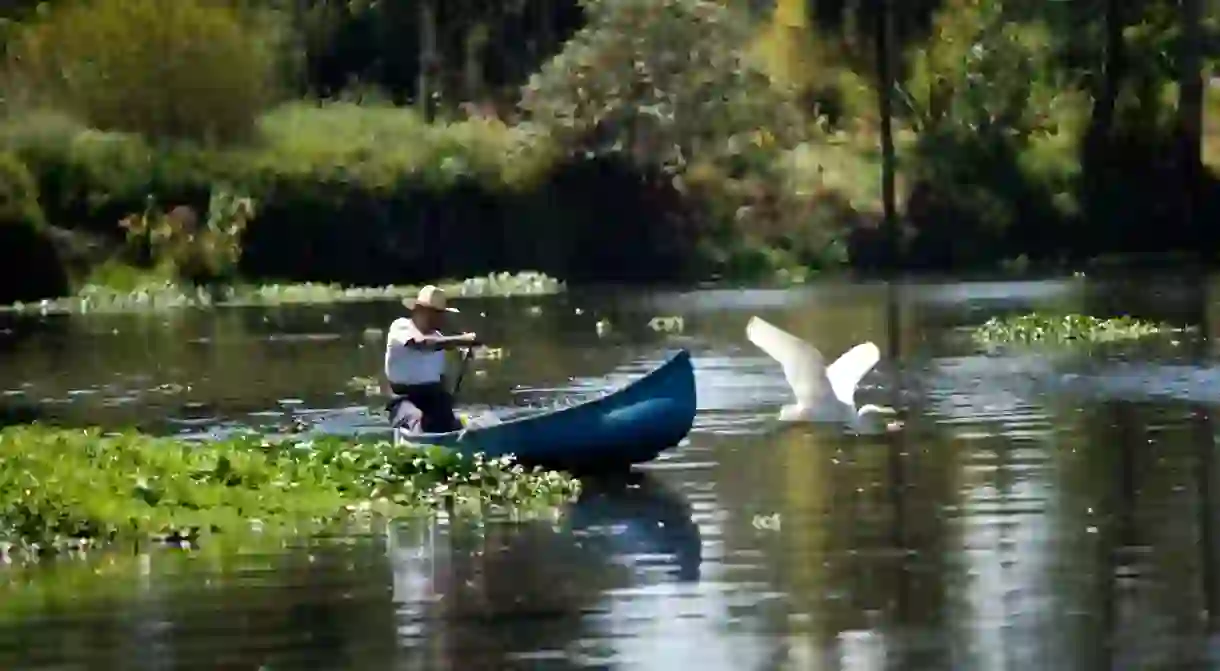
1051, 511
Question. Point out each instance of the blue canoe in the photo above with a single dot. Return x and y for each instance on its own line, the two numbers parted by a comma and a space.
627, 426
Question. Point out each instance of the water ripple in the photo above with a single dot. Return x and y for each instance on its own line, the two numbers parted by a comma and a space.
1039, 512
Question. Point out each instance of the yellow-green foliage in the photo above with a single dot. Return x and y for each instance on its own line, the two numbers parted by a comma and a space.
18, 195
1211, 128
163, 68
786, 47
797, 57
832, 165
985, 79
981, 70
383, 146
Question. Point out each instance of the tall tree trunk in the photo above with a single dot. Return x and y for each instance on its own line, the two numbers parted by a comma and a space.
1114, 68
1190, 116
1099, 141
885, 87
546, 28
428, 60
477, 39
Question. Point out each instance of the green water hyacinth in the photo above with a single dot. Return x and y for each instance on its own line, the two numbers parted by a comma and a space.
163, 295
63, 489
1035, 328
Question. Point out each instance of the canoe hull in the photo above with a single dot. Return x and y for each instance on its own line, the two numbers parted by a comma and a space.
628, 426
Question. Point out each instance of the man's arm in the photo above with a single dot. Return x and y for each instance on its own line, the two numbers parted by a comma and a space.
405, 335
444, 342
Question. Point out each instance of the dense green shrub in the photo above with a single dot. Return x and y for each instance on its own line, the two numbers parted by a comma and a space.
673, 86
661, 81
164, 68
29, 265
999, 133
375, 196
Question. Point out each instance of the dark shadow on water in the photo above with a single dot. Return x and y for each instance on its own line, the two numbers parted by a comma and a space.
629, 521
514, 595
642, 516
13, 413
49, 334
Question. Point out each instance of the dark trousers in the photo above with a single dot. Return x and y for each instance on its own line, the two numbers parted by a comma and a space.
422, 408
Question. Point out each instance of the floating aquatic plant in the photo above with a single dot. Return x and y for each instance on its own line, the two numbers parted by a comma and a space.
488, 353
369, 386
1036, 328
771, 522
166, 294
63, 489
667, 324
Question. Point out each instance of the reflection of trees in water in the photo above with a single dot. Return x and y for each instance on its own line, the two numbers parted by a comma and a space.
1106, 568
1145, 475
1139, 479
860, 540
1167, 298
22, 333
327, 607
861, 536
1058, 601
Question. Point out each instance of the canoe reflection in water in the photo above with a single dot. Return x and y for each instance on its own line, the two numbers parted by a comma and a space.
472, 597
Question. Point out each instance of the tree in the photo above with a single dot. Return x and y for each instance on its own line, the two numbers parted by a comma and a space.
163, 68
661, 80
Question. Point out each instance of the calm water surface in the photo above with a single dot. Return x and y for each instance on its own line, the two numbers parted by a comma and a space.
1039, 512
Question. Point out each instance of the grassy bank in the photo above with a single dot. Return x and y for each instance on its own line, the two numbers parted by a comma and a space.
64, 489
161, 294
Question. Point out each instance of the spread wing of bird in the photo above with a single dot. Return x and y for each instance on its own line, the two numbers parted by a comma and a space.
803, 365
847, 371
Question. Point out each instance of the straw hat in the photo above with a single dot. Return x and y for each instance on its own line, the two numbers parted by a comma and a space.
429, 297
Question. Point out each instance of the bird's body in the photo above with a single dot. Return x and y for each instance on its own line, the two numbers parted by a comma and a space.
824, 394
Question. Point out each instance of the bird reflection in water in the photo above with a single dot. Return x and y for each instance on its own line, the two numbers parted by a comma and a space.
474, 595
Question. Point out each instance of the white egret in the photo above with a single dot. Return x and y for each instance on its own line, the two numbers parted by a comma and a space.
823, 393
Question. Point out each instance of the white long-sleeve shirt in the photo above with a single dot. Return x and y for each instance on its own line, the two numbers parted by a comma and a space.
407, 365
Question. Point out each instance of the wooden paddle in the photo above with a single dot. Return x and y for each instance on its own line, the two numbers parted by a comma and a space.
462, 370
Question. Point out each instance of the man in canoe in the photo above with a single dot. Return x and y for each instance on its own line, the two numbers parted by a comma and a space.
415, 365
